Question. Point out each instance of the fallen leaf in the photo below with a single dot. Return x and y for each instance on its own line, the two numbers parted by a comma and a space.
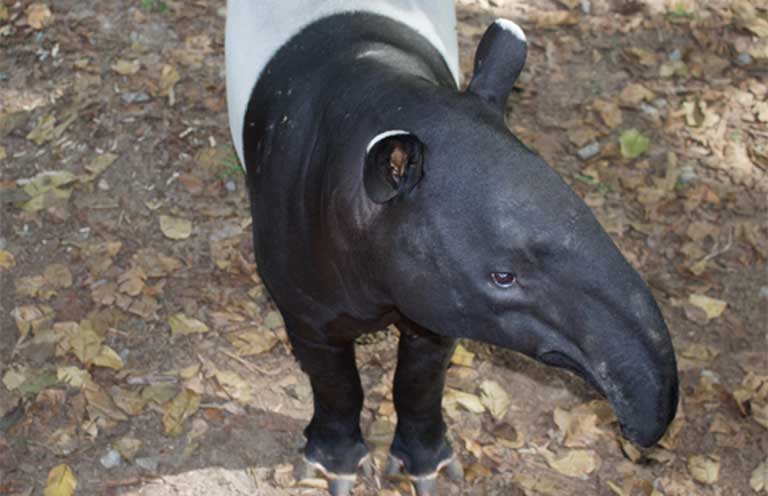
7, 260
234, 386
73, 376
578, 426
58, 276
169, 76
126, 67
609, 112
577, 463
634, 94
108, 358
461, 356
704, 469
181, 325
183, 406
133, 402
759, 479
469, 401
61, 481
712, 306
252, 341
97, 166
30, 317
39, 16
553, 18
46, 181
29, 286
86, 345
128, 447
175, 228
633, 144
494, 398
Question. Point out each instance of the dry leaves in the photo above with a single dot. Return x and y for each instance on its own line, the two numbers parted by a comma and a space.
181, 325
61, 482
175, 228
183, 406
39, 16
494, 398
704, 469
461, 356
712, 307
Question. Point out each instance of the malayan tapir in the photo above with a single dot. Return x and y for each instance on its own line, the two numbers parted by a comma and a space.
382, 194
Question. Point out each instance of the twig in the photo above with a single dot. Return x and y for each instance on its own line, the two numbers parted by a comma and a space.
249, 365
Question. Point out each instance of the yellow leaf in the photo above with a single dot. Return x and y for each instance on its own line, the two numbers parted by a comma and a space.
181, 325
578, 427
469, 401
98, 165
169, 76
759, 480
494, 398
711, 306
704, 469
39, 16
577, 463
461, 356
73, 376
86, 345
126, 67
44, 131
61, 482
183, 406
108, 358
175, 228
253, 341
634, 94
7, 260
13, 379
234, 385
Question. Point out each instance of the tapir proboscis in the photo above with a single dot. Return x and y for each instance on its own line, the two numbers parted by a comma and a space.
382, 194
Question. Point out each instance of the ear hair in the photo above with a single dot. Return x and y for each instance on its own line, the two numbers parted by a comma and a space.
393, 165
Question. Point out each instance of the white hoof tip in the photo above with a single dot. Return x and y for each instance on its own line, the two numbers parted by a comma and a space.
340, 487
454, 470
512, 28
425, 486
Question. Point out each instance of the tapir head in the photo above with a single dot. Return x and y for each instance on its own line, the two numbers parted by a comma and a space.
485, 241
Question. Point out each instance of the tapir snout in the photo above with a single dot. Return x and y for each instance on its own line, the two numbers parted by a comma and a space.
623, 350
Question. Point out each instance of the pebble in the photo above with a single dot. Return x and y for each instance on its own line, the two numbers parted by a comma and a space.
124, 354
744, 59
111, 459
103, 185
764, 292
148, 463
134, 97
675, 55
649, 110
3, 243
586, 7
589, 151
230, 186
687, 174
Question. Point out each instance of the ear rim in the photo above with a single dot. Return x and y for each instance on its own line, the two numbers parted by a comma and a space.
377, 185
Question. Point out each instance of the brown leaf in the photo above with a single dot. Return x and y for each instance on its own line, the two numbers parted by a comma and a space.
61, 482
181, 325
7, 260
609, 112
494, 398
252, 341
58, 276
126, 67
39, 16
175, 228
634, 94
704, 469
183, 406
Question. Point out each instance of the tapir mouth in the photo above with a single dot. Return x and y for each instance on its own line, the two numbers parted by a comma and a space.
563, 361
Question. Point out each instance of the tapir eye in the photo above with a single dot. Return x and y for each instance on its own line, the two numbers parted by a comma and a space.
503, 279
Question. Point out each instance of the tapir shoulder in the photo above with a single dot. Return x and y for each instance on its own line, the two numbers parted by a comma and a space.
257, 29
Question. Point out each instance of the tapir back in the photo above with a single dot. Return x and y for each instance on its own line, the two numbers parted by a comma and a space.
257, 29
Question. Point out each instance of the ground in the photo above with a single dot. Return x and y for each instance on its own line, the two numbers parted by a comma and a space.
141, 355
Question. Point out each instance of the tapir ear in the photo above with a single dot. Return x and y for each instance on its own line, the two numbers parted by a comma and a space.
393, 165
499, 60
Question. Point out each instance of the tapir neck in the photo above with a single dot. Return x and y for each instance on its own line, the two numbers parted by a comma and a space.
321, 99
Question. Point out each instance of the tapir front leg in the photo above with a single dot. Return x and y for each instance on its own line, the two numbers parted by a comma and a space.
420, 447
335, 444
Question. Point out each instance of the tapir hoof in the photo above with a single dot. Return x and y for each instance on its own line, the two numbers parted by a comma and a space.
338, 484
426, 485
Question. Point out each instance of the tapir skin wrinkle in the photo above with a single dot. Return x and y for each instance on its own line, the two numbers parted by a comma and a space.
381, 195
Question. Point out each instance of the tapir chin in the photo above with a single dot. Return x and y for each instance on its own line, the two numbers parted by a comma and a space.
382, 194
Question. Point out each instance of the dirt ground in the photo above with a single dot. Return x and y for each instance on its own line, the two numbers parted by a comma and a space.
140, 355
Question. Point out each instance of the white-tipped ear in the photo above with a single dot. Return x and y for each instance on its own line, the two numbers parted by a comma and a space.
383, 136
499, 60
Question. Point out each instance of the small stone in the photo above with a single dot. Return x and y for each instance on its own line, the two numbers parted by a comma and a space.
660, 103
103, 185
675, 55
148, 463
586, 7
744, 59
124, 354
3, 243
111, 459
687, 174
649, 110
589, 151
134, 97
764, 292
230, 186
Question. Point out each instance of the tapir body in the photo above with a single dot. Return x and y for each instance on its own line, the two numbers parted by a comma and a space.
381, 195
